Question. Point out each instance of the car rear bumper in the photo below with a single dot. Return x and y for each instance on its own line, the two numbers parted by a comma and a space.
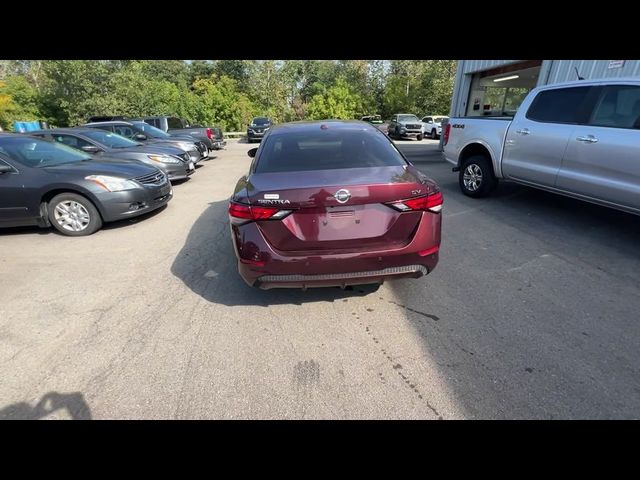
267, 282
259, 264
131, 203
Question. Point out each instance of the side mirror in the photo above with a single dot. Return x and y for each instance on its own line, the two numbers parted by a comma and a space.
90, 149
5, 169
140, 136
252, 152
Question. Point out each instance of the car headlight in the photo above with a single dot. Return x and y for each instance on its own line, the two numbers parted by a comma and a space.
250, 130
164, 158
402, 130
112, 184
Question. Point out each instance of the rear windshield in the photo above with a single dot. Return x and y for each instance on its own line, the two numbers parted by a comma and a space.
325, 150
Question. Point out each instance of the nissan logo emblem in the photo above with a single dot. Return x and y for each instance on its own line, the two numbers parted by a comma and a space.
342, 195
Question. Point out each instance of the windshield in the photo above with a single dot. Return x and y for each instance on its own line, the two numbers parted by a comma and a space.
322, 150
407, 118
261, 121
150, 130
34, 152
439, 119
110, 139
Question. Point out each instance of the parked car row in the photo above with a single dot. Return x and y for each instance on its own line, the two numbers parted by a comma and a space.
47, 183
173, 161
211, 137
111, 168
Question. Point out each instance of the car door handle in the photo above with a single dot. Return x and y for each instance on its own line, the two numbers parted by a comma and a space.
588, 139
523, 131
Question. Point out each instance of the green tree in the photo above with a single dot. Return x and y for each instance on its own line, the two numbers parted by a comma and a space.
339, 102
174, 71
21, 101
237, 70
7, 108
72, 88
200, 69
269, 90
220, 103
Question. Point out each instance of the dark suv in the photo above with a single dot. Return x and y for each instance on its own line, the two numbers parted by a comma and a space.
257, 128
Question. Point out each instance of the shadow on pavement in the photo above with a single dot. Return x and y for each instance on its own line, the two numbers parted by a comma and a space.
207, 265
106, 226
74, 403
535, 307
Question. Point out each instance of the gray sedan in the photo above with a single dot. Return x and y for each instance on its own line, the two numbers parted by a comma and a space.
176, 163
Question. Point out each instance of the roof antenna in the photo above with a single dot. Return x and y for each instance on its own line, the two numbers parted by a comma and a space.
577, 74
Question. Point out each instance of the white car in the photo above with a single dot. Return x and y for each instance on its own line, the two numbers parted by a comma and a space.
432, 126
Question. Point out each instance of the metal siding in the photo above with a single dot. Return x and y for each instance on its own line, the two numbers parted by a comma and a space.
552, 71
564, 70
471, 66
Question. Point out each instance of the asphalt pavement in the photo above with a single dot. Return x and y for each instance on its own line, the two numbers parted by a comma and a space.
531, 313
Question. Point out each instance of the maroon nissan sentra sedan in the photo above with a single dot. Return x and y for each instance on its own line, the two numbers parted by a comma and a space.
333, 203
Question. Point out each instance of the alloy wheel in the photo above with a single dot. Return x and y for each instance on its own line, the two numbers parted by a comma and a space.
72, 216
472, 177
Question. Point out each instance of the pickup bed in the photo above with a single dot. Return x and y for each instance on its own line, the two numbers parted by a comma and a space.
578, 139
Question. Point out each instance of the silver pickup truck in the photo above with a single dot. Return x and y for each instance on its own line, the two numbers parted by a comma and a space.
580, 139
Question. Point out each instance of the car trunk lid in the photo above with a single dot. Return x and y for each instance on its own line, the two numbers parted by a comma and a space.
339, 209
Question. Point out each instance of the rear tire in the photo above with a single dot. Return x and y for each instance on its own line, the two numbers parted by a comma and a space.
476, 177
74, 215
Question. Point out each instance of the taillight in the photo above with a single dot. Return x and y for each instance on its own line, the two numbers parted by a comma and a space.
447, 130
242, 213
209, 133
432, 203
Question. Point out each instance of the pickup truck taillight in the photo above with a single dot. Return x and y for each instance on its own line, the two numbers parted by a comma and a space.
209, 133
447, 130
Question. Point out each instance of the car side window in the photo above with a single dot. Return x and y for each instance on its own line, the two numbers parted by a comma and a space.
71, 141
174, 122
562, 105
619, 107
124, 130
